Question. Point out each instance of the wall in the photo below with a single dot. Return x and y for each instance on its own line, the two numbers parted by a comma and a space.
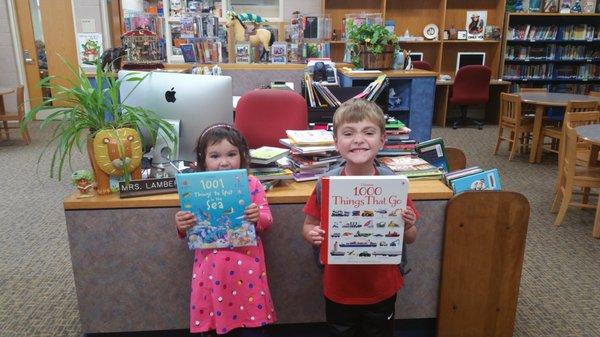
305, 7
8, 66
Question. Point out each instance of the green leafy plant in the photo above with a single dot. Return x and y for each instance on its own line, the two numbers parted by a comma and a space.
375, 38
80, 110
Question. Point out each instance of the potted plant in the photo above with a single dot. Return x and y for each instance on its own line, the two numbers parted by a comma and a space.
94, 116
372, 45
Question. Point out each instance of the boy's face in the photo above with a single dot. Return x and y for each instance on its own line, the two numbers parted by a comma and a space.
358, 143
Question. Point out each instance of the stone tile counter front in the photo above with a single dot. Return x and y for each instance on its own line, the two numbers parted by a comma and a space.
132, 272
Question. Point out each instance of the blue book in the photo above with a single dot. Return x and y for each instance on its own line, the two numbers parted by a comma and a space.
218, 200
486, 180
433, 151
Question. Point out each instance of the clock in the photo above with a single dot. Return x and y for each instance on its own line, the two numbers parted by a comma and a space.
431, 32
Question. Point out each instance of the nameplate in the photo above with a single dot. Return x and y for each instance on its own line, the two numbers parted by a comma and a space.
138, 188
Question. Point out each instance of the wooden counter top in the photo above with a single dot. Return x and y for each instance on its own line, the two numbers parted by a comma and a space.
389, 73
292, 193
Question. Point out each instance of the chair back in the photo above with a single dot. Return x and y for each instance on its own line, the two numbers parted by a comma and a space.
456, 159
263, 115
482, 263
510, 108
21, 102
575, 119
421, 65
580, 106
533, 89
471, 85
569, 155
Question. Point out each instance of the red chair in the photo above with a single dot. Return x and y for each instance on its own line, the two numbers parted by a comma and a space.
263, 115
471, 86
421, 65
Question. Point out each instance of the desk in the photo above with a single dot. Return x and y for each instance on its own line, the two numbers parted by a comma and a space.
591, 133
492, 109
132, 273
4, 91
541, 100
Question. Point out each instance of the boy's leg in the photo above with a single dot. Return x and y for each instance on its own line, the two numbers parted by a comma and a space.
377, 320
342, 319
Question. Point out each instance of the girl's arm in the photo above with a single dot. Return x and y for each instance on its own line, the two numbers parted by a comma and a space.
258, 196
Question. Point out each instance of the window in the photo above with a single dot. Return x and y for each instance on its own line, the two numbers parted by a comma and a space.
268, 9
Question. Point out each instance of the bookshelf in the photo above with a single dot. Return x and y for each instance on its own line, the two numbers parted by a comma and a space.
414, 16
558, 51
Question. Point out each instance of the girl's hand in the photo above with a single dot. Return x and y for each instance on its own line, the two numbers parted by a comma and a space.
184, 220
409, 218
252, 213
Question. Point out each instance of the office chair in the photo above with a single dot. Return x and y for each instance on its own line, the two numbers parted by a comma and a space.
471, 86
421, 65
263, 115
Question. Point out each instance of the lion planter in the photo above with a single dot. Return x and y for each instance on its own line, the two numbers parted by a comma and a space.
113, 153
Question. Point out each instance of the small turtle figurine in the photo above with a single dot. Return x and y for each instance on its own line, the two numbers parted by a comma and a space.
84, 181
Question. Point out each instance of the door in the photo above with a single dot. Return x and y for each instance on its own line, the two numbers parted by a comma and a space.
46, 29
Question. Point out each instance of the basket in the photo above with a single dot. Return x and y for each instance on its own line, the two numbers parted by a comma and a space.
370, 60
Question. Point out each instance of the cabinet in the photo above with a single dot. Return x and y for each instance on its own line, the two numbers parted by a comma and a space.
558, 51
414, 15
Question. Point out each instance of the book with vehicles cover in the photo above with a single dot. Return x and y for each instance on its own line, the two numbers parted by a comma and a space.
362, 219
218, 200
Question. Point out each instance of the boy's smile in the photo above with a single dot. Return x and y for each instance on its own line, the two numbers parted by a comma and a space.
358, 143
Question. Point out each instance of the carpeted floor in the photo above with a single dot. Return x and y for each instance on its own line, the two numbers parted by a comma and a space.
559, 289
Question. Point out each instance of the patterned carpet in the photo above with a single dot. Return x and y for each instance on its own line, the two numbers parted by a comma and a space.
559, 290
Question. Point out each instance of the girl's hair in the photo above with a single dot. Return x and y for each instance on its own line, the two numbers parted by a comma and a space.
215, 134
356, 110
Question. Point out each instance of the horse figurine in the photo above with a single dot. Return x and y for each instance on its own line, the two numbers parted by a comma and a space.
244, 33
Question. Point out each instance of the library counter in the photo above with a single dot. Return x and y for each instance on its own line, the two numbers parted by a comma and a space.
132, 272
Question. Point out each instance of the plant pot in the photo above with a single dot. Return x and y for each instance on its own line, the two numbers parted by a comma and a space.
370, 60
110, 151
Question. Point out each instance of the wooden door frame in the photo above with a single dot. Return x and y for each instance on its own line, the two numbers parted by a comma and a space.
20, 13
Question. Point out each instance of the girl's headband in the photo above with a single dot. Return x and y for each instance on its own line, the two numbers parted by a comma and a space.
214, 127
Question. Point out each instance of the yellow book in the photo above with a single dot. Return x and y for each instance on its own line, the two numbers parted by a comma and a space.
310, 137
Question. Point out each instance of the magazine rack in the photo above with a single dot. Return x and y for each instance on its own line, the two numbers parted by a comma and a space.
325, 114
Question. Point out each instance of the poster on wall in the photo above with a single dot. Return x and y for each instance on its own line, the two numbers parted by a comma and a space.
89, 49
476, 21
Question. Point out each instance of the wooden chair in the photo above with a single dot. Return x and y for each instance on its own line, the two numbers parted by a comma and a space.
482, 261
533, 90
16, 117
511, 118
573, 176
556, 132
456, 159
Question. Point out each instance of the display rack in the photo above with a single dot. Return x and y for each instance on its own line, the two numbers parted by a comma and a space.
558, 51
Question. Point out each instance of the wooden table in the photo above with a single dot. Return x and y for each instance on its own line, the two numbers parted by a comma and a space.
4, 91
591, 133
541, 100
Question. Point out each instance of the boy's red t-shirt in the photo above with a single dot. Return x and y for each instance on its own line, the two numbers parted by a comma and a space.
357, 284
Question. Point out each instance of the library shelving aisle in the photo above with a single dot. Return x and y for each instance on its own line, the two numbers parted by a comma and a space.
558, 51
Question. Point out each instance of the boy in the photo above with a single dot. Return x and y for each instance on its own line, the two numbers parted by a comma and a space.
360, 299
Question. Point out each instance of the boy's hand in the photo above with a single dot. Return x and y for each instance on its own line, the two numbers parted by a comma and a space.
409, 218
315, 236
184, 220
252, 213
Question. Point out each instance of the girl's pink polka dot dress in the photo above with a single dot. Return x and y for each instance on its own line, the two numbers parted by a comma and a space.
229, 286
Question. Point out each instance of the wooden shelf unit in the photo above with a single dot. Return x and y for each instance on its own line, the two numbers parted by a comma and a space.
415, 15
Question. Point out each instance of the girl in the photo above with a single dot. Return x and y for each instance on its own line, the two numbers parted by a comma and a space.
229, 286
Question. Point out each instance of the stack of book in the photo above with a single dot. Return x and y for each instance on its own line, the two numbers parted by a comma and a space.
312, 153
318, 94
263, 164
397, 140
414, 168
473, 179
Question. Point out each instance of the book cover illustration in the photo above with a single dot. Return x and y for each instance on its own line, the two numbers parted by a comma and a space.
218, 200
486, 180
476, 21
189, 52
89, 49
362, 219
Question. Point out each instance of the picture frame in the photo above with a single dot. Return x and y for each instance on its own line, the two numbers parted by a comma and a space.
475, 24
243, 52
279, 53
446, 34
462, 35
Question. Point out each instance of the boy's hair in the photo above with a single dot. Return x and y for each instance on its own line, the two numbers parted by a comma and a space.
356, 110
215, 134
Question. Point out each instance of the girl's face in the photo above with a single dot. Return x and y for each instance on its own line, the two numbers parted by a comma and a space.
222, 156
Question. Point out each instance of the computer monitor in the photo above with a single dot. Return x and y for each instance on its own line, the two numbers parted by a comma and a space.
197, 101
416, 56
469, 58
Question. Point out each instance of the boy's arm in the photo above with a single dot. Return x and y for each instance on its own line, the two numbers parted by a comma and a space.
311, 231
410, 216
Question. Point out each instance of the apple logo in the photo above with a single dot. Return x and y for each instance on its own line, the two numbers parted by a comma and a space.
170, 95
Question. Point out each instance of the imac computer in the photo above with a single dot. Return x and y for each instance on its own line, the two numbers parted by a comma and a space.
469, 58
187, 101
416, 56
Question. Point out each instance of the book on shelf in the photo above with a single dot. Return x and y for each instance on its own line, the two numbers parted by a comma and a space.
363, 219
486, 180
550, 6
189, 52
267, 154
434, 152
310, 137
218, 200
